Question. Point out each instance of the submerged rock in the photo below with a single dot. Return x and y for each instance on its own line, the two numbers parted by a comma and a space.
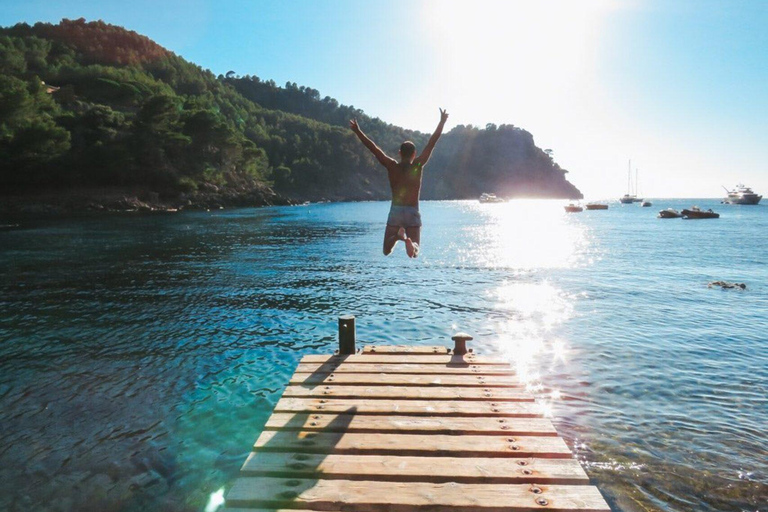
726, 285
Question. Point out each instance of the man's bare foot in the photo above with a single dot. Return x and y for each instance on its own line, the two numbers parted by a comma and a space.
411, 248
401, 234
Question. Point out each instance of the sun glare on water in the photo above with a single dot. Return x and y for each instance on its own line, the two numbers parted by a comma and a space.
527, 240
527, 235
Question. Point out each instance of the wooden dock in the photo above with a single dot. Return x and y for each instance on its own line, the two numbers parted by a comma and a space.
408, 429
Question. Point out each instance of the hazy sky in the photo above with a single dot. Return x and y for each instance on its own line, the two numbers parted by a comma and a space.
680, 87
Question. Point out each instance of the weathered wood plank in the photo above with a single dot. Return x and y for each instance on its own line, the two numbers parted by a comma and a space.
383, 496
444, 359
249, 509
449, 425
473, 369
433, 445
396, 468
409, 392
354, 379
405, 349
409, 407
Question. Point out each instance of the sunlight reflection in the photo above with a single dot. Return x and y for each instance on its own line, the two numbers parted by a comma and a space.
526, 339
215, 501
526, 234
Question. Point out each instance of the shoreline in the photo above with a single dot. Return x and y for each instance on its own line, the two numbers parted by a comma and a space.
122, 200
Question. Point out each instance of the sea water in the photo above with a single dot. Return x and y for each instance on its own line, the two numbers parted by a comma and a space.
141, 354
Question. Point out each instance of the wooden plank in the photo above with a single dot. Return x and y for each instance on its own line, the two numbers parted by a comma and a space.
474, 369
394, 468
405, 349
353, 379
449, 425
434, 445
444, 359
409, 407
409, 392
249, 509
383, 496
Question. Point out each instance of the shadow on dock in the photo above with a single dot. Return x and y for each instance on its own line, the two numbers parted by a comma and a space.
293, 452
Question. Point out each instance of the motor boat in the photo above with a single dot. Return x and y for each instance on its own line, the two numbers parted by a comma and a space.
573, 208
696, 213
490, 198
646, 204
742, 195
670, 213
597, 206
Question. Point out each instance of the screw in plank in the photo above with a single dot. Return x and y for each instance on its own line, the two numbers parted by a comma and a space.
511, 439
522, 462
527, 472
542, 501
536, 490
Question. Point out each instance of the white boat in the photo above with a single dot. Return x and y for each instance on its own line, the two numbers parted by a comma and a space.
629, 197
670, 213
490, 198
742, 195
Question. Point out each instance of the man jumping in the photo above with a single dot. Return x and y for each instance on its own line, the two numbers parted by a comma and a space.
404, 221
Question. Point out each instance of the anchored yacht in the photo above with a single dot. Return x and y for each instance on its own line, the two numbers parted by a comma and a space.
742, 195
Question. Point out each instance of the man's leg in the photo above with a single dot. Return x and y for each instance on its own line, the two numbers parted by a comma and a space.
391, 236
412, 241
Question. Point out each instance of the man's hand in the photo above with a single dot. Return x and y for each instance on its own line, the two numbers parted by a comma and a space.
443, 115
353, 125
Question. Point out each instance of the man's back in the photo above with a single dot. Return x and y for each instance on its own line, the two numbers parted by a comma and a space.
405, 182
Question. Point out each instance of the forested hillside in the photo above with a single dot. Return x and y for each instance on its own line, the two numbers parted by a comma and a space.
94, 105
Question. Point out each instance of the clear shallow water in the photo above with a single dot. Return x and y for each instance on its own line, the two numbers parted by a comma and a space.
141, 355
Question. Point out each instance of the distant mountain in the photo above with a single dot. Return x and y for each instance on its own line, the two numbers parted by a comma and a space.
95, 105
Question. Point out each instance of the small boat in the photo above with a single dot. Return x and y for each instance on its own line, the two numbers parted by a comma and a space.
629, 197
742, 195
573, 208
696, 213
597, 206
646, 204
670, 213
490, 198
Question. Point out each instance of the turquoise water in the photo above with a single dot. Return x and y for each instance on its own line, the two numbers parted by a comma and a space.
142, 354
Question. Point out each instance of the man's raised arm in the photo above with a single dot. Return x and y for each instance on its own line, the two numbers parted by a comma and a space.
423, 158
372, 147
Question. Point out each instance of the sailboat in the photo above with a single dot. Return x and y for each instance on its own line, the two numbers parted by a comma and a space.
629, 197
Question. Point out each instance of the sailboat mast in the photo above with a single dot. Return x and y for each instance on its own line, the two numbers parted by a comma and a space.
629, 177
637, 189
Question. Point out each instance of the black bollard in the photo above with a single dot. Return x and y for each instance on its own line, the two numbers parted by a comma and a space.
347, 334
